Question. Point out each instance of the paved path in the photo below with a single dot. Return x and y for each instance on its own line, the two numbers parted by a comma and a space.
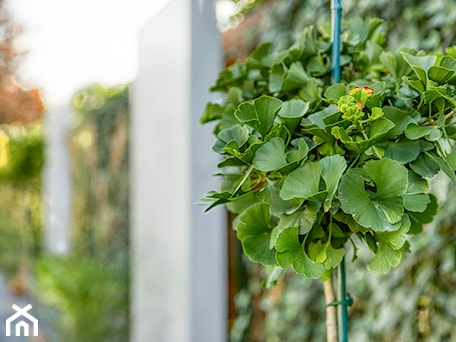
6, 301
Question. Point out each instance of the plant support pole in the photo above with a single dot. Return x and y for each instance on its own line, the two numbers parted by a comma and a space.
336, 16
345, 301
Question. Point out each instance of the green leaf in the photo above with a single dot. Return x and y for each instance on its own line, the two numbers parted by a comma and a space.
292, 111
390, 178
361, 29
333, 168
416, 202
296, 76
306, 42
420, 218
260, 115
237, 134
415, 132
403, 151
316, 66
291, 252
276, 77
303, 219
299, 153
395, 64
380, 209
378, 129
261, 52
399, 118
416, 184
311, 92
334, 256
389, 249
288, 247
440, 74
270, 156
282, 207
317, 251
335, 91
420, 64
254, 231
425, 166
304, 182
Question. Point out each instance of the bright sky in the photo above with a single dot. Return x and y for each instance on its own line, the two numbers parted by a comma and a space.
73, 43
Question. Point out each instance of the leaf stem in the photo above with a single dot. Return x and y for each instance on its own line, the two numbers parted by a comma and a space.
247, 174
448, 116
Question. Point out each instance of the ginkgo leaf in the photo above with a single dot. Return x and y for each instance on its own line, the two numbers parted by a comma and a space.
270, 156
292, 111
389, 248
333, 168
254, 231
260, 114
237, 134
380, 208
420, 64
304, 182
290, 251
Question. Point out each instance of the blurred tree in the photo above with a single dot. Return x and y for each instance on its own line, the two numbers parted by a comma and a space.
17, 105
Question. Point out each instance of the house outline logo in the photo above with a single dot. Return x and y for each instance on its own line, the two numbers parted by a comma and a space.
22, 324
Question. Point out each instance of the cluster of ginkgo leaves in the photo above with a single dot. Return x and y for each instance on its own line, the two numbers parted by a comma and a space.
310, 166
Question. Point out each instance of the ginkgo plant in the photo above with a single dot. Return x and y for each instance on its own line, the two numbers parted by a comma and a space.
310, 167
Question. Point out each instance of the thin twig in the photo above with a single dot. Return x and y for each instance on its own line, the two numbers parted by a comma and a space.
434, 122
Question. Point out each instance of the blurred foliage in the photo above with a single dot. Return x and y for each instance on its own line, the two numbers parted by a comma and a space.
90, 289
91, 297
21, 153
21, 162
100, 164
418, 24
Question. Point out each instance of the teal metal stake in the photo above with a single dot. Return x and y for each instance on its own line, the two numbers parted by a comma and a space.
344, 300
336, 16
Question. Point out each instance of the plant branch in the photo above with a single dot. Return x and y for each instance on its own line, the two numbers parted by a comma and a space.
331, 310
448, 116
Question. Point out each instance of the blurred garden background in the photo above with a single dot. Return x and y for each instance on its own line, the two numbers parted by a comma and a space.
83, 295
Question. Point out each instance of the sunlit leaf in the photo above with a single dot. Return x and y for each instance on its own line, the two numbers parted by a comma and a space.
276, 77
335, 91
415, 131
292, 111
290, 251
333, 168
420, 64
260, 115
403, 151
389, 249
296, 76
254, 231
304, 182
237, 134
380, 209
270, 156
